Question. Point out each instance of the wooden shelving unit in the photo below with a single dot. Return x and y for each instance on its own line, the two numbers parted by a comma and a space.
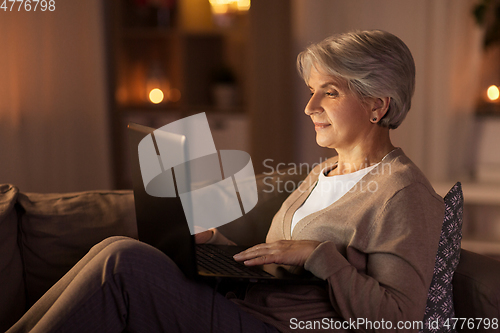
149, 48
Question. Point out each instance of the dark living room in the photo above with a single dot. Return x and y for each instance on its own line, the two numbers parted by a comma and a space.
75, 73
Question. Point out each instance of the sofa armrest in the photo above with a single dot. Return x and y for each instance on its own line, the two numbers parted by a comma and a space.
56, 230
476, 287
12, 294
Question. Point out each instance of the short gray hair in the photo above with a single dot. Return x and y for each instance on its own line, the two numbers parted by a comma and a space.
373, 63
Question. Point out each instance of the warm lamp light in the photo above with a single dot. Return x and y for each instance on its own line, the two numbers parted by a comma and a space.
493, 93
243, 5
156, 96
229, 6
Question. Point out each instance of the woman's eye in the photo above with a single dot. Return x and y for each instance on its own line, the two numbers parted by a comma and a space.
328, 93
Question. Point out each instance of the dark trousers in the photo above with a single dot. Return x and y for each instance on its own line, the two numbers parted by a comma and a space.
125, 285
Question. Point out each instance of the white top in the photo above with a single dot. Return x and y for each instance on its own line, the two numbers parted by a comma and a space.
327, 191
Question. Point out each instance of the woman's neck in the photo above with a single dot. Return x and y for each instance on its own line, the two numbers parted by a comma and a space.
352, 160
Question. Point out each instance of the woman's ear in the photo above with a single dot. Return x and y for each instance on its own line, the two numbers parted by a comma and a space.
380, 106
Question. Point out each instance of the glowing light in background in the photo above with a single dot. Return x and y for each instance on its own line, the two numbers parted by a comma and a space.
243, 5
156, 96
227, 6
493, 93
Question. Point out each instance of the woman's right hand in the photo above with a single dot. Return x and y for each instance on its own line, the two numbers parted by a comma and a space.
283, 252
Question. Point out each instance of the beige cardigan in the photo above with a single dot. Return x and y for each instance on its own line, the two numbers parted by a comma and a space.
378, 249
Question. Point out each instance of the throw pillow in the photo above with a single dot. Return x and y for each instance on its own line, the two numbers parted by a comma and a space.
439, 309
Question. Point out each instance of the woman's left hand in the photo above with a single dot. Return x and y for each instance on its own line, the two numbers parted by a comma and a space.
284, 252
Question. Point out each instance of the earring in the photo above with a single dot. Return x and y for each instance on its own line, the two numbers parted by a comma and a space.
374, 119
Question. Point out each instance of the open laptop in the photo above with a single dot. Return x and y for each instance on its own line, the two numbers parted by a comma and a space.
161, 222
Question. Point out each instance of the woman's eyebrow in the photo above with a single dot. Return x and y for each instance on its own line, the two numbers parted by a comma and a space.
330, 83
326, 84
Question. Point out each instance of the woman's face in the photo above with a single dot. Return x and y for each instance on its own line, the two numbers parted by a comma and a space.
341, 120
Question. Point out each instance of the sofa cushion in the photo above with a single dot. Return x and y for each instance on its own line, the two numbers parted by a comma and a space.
12, 300
59, 229
476, 290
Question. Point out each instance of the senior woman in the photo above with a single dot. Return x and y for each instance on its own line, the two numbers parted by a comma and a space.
366, 221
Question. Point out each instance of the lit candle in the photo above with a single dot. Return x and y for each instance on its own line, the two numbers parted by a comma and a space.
156, 95
493, 93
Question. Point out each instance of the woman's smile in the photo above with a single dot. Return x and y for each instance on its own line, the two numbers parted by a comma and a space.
320, 126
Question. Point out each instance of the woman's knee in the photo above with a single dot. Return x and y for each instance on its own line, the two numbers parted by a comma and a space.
130, 255
106, 242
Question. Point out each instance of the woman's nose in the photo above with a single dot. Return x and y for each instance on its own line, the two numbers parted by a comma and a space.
313, 106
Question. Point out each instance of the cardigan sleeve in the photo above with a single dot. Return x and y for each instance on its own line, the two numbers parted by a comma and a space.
387, 275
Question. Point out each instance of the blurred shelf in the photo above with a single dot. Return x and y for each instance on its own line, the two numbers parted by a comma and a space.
481, 246
488, 110
474, 193
149, 33
480, 225
183, 109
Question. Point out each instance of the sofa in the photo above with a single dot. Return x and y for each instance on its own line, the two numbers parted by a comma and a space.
43, 235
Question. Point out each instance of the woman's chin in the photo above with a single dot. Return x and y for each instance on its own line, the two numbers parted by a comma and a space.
322, 143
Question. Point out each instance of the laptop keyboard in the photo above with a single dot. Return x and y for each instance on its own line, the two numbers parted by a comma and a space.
216, 261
